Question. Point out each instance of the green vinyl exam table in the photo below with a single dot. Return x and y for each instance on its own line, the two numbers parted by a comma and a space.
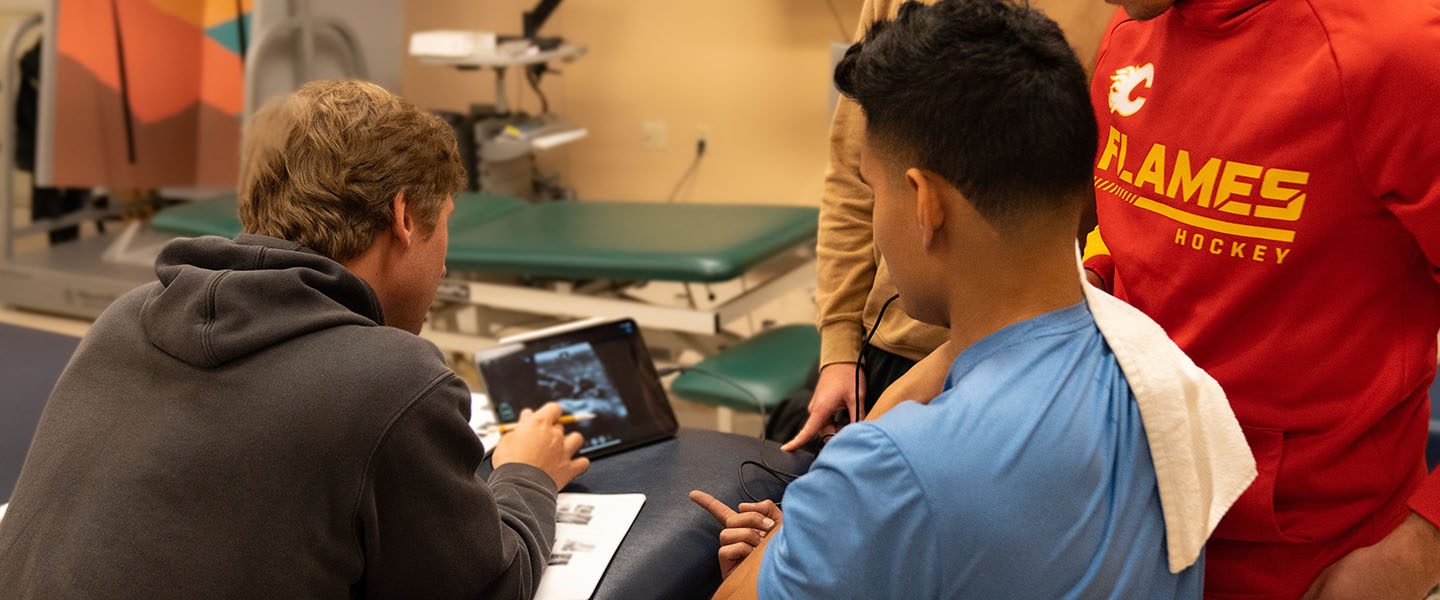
569, 260
583, 242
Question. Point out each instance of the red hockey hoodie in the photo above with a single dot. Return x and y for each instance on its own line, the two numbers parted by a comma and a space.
1268, 189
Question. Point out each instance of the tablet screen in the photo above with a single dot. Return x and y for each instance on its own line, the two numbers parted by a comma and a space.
604, 370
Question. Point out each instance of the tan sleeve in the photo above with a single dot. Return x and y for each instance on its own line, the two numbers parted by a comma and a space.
845, 251
845, 245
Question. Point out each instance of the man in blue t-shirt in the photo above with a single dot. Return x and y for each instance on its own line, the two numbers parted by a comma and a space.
1030, 475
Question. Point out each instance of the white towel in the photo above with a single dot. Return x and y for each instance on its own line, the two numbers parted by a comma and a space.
1202, 463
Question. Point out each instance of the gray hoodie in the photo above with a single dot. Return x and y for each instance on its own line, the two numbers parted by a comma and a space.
248, 427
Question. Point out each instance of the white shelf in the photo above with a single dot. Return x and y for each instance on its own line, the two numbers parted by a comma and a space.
565, 53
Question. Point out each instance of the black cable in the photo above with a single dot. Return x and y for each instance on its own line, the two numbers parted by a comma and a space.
240, 27
124, 84
764, 465
860, 360
839, 23
532, 75
694, 164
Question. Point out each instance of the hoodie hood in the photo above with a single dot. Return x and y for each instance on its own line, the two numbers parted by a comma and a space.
220, 300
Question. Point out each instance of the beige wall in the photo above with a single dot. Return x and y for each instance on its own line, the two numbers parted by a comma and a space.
755, 72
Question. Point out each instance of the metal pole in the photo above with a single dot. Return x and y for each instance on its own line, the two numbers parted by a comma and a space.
300, 10
263, 42
502, 105
351, 50
7, 130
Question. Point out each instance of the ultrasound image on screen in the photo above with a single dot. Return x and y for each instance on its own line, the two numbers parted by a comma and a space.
575, 377
604, 370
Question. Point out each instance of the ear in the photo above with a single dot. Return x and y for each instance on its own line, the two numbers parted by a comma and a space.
402, 224
929, 205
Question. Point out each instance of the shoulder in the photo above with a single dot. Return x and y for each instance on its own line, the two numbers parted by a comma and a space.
1382, 42
1040, 408
867, 439
118, 327
858, 517
1117, 20
966, 437
866, 457
863, 472
380, 372
379, 351
1377, 21
124, 312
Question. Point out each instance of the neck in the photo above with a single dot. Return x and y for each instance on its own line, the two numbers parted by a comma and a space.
1017, 282
370, 266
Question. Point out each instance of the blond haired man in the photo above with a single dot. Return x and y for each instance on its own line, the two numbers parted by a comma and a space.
264, 422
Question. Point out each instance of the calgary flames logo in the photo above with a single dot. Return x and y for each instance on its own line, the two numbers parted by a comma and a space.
1123, 84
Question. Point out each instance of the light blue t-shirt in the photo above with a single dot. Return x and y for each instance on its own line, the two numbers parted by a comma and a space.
1029, 476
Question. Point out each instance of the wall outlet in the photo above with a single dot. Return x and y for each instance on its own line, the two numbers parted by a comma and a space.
655, 134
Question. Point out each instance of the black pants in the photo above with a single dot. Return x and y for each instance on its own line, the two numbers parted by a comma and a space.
881, 369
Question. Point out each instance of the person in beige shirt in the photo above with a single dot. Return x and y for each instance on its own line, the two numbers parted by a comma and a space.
854, 282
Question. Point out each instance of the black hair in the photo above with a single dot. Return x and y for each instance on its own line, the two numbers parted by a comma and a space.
984, 93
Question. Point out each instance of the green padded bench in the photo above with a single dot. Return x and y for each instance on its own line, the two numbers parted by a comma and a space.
770, 366
632, 241
216, 216
212, 216
636, 241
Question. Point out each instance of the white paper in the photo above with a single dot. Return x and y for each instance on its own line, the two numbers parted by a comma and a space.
2, 510
482, 420
588, 529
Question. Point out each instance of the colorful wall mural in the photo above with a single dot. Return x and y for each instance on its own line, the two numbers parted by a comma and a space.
147, 93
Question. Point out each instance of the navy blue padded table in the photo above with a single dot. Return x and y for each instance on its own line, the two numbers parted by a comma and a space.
668, 553
670, 550
30, 364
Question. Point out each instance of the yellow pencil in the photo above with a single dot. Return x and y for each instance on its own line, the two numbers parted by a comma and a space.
565, 420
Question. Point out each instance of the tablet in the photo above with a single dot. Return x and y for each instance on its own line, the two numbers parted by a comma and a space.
599, 367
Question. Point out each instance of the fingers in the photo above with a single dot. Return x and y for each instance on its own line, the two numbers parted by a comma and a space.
760, 516
573, 443
763, 507
549, 413
812, 426
742, 535
715, 507
752, 520
767, 508
734, 553
579, 466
